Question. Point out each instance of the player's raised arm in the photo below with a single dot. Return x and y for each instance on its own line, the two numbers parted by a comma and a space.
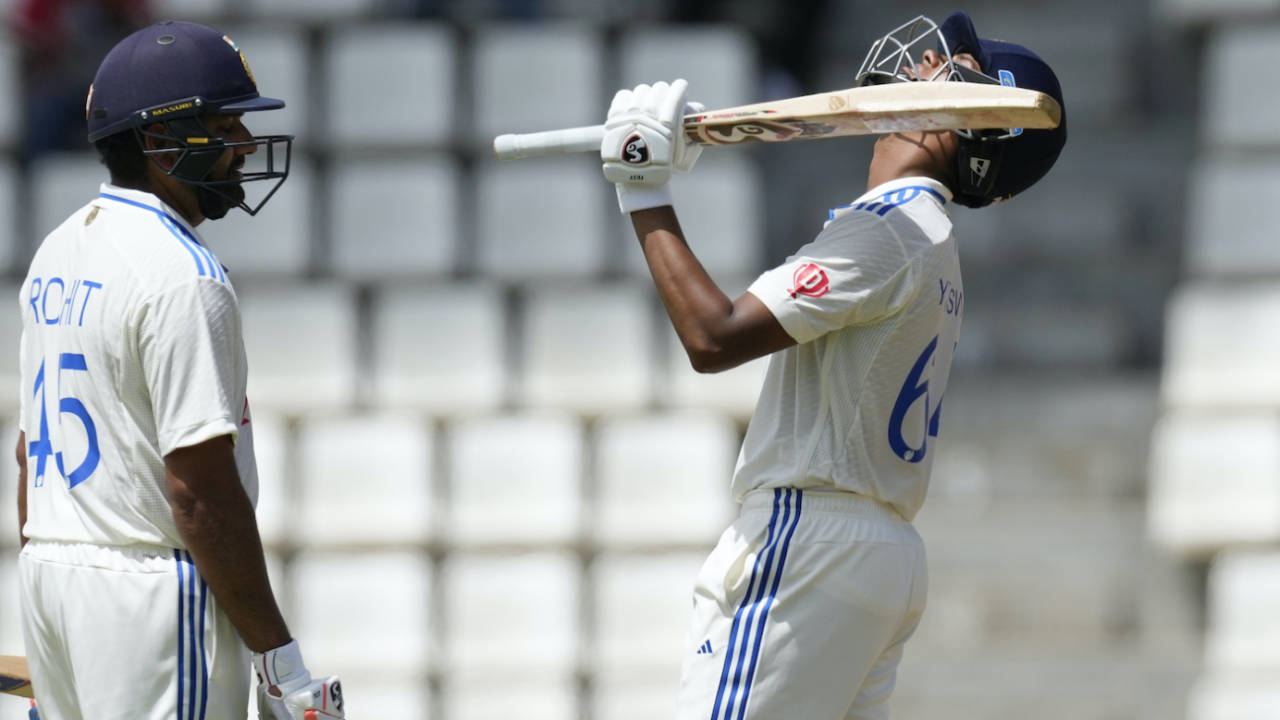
642, 147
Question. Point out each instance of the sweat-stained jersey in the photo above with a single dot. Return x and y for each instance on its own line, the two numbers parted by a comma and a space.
874, 303
131, 348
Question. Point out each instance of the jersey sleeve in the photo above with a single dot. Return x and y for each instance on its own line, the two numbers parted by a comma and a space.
192, 353
855, 272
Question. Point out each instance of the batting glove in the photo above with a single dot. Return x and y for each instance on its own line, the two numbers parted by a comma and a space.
644, 141
287, 692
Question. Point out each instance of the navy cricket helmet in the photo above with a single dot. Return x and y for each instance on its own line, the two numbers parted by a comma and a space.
991, 164
175, 74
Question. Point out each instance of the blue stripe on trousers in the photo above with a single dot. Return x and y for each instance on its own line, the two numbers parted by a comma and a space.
177, 556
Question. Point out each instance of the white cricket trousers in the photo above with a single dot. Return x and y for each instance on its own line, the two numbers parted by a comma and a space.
802, 609
127, 633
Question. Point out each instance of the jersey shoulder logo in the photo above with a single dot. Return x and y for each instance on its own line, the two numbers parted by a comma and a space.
809, 280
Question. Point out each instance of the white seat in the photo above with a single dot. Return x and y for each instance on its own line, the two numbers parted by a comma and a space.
720, 62
513, 65
392, 218
623, 696
529, 695
1243, 629
277, 56
62, 183
515, 479
543, 219
642, 606
439, 348
362, 612
588, 348
277, 241
1215, 480
364, 479
644, 463
720, 206
300, 341
1231, 696
309, 10
734, 391
1231, 216
10, 373
10, 87
14, 248
1208, 360
1236, 110
275, 492
390, 84
512, 614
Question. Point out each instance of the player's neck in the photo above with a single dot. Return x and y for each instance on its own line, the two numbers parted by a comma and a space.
901, 155
176, 194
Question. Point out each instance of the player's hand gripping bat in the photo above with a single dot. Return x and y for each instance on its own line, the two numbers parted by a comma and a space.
870, 110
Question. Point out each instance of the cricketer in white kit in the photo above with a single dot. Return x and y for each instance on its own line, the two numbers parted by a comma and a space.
142, 580
803, 608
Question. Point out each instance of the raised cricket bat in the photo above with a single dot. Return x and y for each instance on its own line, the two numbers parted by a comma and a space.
870, 110
14, 678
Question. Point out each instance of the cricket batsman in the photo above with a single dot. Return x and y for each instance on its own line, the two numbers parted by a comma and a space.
803, 608
143, 586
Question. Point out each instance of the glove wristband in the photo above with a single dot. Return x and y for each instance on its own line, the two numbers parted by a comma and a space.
642, 197
282, 666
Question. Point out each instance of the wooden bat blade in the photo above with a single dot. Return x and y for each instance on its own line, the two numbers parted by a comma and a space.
872, 110
14, 678
875, 110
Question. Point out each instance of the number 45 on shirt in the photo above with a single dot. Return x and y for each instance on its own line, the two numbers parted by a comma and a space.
42, 447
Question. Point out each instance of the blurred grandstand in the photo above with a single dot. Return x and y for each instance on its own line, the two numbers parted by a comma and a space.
460, 372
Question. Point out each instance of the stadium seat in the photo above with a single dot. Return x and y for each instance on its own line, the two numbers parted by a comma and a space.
8, 481
1235, 109
719, 62
528, 695
362, 612
1229, 696
364, 479
511, 66
515, 479
1208, 361
271, 448
1085, 335
587, 348
1243, 630
394, 218
663, 479
278, 57
300, 341
439, 348
15, 250
542, 220
277, 242
202, 11
642, 605
1215, 480
61, 183
10, 373
390, 85
511, 614
1230, 216
720, 209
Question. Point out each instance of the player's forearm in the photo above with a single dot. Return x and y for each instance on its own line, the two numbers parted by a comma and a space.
21, 455
216, 521
717, 333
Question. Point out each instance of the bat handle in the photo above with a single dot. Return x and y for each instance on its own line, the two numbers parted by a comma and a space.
550, 142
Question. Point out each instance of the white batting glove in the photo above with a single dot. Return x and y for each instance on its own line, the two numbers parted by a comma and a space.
644, 141
287, 692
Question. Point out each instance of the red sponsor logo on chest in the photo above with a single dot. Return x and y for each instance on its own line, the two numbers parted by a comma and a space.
811, 281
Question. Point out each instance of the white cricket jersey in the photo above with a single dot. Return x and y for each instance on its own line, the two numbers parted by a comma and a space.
874, 303
131, 348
